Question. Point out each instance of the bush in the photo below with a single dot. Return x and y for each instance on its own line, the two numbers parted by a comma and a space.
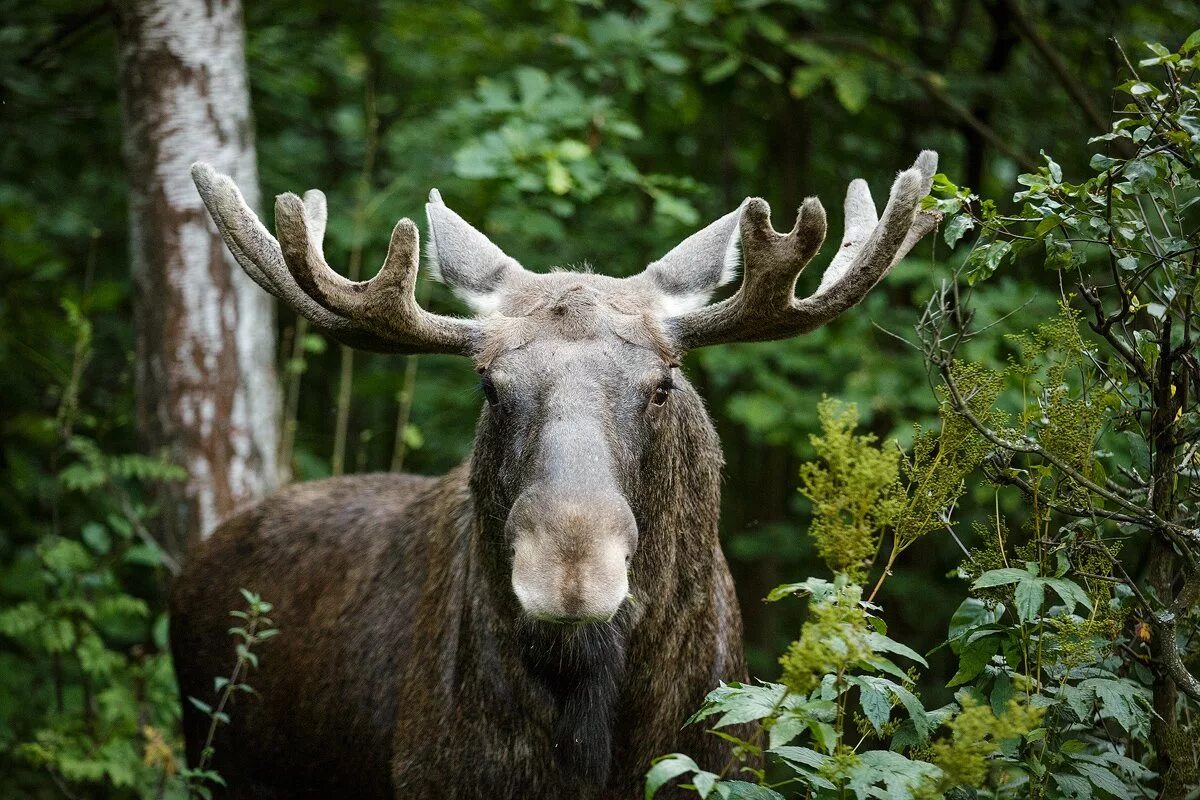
1075, 643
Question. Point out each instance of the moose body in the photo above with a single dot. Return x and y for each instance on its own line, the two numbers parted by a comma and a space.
541, 621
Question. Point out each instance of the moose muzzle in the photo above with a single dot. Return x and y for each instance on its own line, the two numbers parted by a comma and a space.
571, 554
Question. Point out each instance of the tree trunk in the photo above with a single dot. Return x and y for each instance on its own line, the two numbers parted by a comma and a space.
206, 383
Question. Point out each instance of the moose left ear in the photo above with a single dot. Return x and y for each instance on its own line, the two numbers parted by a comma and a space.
689, 274
466, 260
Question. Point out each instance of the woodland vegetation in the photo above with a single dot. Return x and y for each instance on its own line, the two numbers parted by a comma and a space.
971, 503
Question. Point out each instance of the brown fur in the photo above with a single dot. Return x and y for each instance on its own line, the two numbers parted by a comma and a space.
405, 667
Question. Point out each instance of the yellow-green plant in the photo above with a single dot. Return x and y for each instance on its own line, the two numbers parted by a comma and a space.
1075, 672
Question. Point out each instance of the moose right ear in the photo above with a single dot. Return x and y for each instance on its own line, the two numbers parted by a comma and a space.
689, 274
466, 260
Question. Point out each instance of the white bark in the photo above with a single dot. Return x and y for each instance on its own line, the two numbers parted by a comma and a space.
206, 383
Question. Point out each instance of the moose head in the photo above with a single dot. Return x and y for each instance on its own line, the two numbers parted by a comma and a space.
579, 370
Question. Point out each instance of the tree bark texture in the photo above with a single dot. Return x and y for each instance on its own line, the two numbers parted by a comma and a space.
206, 386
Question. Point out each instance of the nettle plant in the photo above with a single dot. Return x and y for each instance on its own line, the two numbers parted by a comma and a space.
1076, 645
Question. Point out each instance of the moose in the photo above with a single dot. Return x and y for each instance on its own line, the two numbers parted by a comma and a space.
540, 621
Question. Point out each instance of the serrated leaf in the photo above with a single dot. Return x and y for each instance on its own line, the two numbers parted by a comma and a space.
1072, 594
1101, 778
786, 727
1028, 598
1073, 786
1000, 577
958, 226
876, 706
972, 659
667, 769
801, 755
740, 790
882, 644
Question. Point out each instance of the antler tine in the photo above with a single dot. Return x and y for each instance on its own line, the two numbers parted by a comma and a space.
773, 261
385, 305
765, 307
262, 258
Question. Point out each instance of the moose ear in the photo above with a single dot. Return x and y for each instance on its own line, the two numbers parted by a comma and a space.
689, 274
466, 260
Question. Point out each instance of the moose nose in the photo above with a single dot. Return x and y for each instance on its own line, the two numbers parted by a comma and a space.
571, 555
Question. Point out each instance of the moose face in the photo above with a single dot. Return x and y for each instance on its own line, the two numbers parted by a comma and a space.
579, 381
578, 370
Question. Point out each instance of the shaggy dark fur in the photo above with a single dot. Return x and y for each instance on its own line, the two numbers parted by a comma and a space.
405, 666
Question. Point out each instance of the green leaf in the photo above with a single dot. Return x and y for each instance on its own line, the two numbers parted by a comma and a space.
805, 80
1028, 598
817, 587
957, 227
558, 179
850, 89
739, 703
1000, 577
911, 703
875, 705
984, 260
1073, 787
900, 776
722, 69
1121, 700
1002, 692
972, 659
704, 782
882, 644
740, 790
1101, 778
1192, 42
1070, 592
971, 613
670, 63
666, 769
786, 727
801, 755
96, 537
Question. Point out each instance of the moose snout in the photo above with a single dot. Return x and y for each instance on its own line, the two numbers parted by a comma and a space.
571, 555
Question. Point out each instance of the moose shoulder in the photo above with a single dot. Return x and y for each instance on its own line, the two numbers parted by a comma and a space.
540, 621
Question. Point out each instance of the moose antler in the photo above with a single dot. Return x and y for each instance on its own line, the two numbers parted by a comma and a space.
379, 314
765, 306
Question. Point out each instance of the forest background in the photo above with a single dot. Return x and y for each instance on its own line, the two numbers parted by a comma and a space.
571, 133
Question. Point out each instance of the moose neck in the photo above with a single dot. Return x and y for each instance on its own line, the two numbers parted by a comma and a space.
579, 673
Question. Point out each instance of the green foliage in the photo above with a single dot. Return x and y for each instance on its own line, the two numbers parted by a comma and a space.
855, 493
90, 705
253, 627
1057, 694
683, 108
89, 694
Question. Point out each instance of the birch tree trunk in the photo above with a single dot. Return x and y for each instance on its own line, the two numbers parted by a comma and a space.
206, 384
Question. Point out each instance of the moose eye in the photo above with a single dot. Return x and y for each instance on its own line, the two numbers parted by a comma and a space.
662, 393
489, 391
